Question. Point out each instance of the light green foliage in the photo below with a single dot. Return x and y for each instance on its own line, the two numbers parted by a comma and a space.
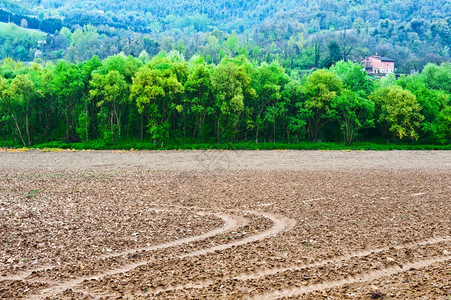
199, 96
17, 42
354, 77
231, 81
85, 43
321, 87
444, 125
127, 66
212, 49
22, 89
232, 43
399, 111
170, 101
154, 88
438, 77
110, 91
432, 103
67, 85
268, 82
144, 57
387, 81
11, 107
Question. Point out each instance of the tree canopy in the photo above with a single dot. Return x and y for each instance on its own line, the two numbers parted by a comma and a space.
172, 100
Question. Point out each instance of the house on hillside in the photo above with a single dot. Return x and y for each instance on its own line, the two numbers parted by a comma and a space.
378, 65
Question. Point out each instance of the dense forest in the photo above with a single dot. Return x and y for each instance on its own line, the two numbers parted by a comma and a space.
298, 34
165, 98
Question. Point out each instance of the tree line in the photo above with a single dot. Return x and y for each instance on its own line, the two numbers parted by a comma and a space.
167, 99
48, 25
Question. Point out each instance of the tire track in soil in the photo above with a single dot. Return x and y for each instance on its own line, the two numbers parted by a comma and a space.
279, 224
363, 277
273, 271
24, 274
230, 223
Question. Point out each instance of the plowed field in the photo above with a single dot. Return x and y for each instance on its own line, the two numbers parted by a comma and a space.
229, 225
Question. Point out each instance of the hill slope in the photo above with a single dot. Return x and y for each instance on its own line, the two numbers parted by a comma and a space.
298, 32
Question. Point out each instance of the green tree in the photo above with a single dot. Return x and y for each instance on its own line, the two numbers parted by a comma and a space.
154, 88
432, 102
43, 105
438, 77
22, 91
111, 92
268, 82
352, 113
293, 95
399, 111
88, 110
354, 77
199, 97
232, 43
10, 107
127, 66
334, 54
68, 87
443, 130
231, 81
321, 87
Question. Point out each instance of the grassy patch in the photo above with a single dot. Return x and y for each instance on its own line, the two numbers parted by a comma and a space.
32, 193
137, 145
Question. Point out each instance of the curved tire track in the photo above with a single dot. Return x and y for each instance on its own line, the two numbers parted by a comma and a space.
273, 271
230, 223
268, 272
279, 224
24, 274
363, 277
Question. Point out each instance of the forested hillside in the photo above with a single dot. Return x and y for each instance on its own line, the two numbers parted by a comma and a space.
299, 34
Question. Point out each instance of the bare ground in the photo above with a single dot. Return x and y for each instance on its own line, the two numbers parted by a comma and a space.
225, 224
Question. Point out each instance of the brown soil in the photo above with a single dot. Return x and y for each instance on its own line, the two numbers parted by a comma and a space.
206, 224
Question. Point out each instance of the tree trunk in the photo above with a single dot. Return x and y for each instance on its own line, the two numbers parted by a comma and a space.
201, 127
118, 119
18, 129
67, 121
195, 128
87, 120
142, 127
112, 126
217, 130
184, 127
274, 130
27, 129
256, 136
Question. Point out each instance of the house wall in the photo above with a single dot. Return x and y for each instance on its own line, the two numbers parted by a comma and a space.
382, 66
375, 65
